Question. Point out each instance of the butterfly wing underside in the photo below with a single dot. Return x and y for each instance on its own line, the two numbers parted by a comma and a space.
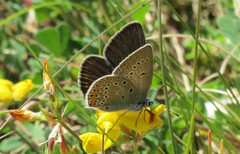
138, 68
111, 93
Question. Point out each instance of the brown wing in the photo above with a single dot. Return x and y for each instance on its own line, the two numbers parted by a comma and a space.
124, 42
92, 68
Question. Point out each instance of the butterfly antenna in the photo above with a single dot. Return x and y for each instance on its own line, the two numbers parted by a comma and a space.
138, 118
175, 113
118, 120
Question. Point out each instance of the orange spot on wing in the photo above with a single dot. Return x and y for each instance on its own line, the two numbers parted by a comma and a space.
93, 102
96, 90
93, 95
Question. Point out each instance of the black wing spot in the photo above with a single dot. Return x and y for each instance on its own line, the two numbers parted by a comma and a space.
115, 83
147, 59
122, 97
107, 107
131, 73
134, 66
143, 73
138, 63
131, 90
124, 82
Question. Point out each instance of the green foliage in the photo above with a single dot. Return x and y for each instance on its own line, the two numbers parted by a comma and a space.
54, 39
63, 28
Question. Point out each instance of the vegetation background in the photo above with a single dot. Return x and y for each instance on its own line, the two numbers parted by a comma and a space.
58, 30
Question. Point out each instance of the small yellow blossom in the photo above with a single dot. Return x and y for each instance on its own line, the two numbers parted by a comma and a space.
8, 91
147, 120
25, 115
22, 88
92, 142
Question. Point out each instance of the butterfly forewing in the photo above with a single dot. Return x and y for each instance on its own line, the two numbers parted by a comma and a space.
124, 42
112, 93
138, 68
92, 68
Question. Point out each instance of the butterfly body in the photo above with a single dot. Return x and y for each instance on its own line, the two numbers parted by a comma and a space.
131, 67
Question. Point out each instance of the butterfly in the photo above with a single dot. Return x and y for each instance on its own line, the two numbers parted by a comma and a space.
121, 79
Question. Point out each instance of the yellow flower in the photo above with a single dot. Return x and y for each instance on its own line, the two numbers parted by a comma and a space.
147, 120
21, 89
92, 142
8, 91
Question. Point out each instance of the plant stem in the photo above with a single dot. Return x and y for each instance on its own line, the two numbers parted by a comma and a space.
135, 147
164, 77
69, 130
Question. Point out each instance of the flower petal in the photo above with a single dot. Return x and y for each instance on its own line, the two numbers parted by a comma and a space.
92, 142
22, 88
5, 94
146, 121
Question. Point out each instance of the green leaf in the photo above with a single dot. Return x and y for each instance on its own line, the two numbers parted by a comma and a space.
35, 130
140, 15
10, 144
65, 32
50, 38
229, 26
42, 14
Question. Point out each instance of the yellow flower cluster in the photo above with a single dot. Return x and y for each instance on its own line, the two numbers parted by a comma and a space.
148, 120
9, 92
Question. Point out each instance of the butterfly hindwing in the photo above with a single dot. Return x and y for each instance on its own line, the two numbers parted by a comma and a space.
112, 93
